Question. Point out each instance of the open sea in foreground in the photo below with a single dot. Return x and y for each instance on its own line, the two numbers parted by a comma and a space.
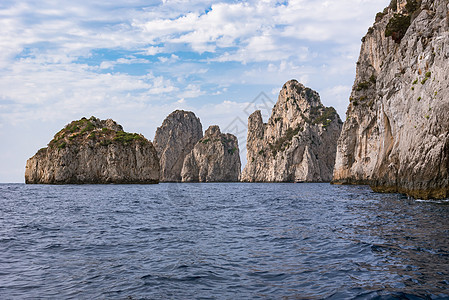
220, 241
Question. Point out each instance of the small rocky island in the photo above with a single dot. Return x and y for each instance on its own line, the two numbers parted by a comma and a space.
396, 137
215, 158
186, 156
94, 151
298, 144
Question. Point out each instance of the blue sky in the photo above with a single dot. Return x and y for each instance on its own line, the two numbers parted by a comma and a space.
137, 61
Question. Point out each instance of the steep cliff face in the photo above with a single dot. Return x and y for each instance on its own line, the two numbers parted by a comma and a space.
299, 141
177, 136
215, 158
94, 151
396, 134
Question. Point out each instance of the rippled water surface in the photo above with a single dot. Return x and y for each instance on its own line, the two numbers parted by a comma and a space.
220, 241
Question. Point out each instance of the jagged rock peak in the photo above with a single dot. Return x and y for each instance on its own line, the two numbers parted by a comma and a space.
305, 96
94, 151
215, 158
395, 136
176, 137
299, 141
212, 131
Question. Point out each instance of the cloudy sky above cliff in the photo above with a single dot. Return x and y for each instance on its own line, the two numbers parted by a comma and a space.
136, 61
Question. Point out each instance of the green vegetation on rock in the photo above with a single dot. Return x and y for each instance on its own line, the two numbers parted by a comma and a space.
231, 151
62, 145
285, 141
91, 129
397, 27
411, 6
379, 16
326, 116
126, 138
362, 86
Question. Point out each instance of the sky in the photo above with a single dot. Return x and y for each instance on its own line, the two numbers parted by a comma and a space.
136, 61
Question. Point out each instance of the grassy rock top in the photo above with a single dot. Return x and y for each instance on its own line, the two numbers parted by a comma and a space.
94, 131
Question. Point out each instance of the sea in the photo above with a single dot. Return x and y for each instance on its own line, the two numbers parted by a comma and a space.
220, 241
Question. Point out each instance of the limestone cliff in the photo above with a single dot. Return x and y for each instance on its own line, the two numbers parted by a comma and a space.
94, 151
177, 136
215, 158
299, 141
396, 134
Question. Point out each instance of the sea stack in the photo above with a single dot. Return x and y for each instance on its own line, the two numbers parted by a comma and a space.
94, 151
177, 136
215, 158
298, 144
396, 134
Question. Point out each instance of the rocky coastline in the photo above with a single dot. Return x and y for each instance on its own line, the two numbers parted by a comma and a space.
395, 137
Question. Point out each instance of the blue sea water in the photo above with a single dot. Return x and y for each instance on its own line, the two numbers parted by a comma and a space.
220, 241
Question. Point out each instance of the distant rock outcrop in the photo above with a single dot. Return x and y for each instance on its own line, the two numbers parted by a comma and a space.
94, 151
177, 136
215, 158
396, 133
299, 141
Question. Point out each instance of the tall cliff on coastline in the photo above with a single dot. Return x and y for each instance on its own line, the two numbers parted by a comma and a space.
396, 134
94, 151
299, 141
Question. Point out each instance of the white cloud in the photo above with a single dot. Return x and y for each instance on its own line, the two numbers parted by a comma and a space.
122, 61
153, 50
191, 91
171, 59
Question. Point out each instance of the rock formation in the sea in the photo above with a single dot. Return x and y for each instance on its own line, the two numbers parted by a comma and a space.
299, 141
215, 158
177, 136
94, 151
396, 134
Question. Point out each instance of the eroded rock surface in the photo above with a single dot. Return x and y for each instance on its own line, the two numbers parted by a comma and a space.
396, 133
94, 151
177, 136
215, 158
299, 141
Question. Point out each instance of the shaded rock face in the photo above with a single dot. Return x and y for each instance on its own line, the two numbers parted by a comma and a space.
177, 136
396, 134
299, 141
215, 158
94, 151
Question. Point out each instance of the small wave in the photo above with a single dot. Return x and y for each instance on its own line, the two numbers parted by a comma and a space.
442, 201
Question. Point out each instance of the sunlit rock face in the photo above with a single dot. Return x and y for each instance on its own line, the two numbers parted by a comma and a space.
396, 133
299, 141
174, 140
215, 158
